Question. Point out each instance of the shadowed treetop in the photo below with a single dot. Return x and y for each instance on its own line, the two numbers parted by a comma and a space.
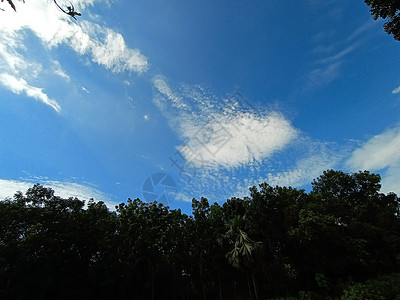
387, 9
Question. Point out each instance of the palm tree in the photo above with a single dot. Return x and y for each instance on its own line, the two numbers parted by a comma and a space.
241, 256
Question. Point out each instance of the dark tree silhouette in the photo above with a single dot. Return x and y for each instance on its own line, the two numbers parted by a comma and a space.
388, 10
339, 241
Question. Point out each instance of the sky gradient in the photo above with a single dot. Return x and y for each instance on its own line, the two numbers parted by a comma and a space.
196, 99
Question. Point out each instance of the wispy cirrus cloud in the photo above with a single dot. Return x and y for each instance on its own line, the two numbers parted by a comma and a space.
335, 57
396, 90
362, 30
380, 153
228, 146
222, 135
391, 182
113, 53
327, 68
19, 85
105, 46
162, 86
323, 75
58, 70
100, 44
315, 158
296, 166
231, 141
330, 57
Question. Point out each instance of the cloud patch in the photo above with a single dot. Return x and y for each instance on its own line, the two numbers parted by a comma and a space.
100, 44
221, 135
231, 141
58, 70
106, 47
19, 85
113, 53
62, 189
228, 146
330, 57
396, 90
380, 153
306, 168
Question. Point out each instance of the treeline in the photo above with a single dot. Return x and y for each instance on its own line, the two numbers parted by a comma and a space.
342, 239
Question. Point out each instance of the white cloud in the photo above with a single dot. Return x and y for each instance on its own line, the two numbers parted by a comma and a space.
338, 56
9, 187
11, 61
63, 189
235, 140
295, 166
390, 179
362, 29
331, 58
221, 134
323, 75
328, 67
58, 70
53, 28
380, 153
163, 87
19, 85
305, 171
106, 46
182, 197
228, 146
396, 90
113, 53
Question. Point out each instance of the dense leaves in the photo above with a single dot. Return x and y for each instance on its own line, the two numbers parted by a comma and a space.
387, 9
339, 240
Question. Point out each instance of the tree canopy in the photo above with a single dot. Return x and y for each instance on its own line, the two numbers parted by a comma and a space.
387, 9
341, 239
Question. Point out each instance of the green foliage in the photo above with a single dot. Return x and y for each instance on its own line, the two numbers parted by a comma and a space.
285, 298
387, 9
243, 248
279, 242
383, 288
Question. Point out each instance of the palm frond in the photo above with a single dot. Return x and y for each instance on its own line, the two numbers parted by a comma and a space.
12, 4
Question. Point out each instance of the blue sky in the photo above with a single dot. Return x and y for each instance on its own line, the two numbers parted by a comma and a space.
202, 98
